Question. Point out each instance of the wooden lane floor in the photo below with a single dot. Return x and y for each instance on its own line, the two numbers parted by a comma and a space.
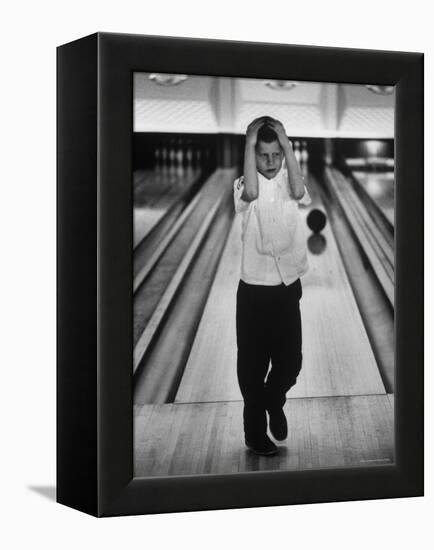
154, 193
376, 243
380, 186
337, 356
178, 254
207, 438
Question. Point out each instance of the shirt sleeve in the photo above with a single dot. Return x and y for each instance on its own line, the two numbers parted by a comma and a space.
239, 203
305, 199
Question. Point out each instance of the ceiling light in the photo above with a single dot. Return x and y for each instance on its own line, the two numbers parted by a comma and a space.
163, 79
382, 90
283, 85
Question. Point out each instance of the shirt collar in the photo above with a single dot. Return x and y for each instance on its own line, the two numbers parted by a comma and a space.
276, 178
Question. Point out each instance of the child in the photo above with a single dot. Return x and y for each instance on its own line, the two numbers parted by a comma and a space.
274, 257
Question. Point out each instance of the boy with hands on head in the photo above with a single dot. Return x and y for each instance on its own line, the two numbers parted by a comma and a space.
266, 158
274, 257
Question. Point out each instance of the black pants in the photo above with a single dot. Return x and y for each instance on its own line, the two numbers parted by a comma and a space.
268, 328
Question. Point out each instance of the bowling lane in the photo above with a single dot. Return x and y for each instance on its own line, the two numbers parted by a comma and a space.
154, 193
338, 358
380, 186
148, 296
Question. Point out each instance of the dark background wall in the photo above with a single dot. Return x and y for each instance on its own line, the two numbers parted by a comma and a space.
227, 150
360, 148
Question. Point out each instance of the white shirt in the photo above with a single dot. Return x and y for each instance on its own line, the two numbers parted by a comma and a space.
273, 236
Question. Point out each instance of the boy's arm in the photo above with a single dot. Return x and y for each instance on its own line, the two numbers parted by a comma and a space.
250, 192
239, 204
295, 179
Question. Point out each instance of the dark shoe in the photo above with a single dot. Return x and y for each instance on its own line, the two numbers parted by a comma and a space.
263, 447
278, 424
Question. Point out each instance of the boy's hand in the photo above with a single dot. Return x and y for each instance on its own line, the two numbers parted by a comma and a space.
252, 130
278, 127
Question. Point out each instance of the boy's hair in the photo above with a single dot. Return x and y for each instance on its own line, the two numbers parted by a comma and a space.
266, 134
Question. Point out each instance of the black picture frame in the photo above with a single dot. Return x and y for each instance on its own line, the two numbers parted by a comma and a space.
94, 274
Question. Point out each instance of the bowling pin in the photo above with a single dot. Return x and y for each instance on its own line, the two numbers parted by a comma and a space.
189, 157
172, 158
157, 158
304, 155
198, 158
297, 151
328, 152
179, 159
164, 159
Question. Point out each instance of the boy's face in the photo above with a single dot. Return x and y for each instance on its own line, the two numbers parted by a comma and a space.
269, 158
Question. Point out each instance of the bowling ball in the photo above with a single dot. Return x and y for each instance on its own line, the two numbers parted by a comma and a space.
316, 243
316, 220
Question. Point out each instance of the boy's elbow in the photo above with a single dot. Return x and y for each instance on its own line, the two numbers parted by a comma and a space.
299, 194
249, 196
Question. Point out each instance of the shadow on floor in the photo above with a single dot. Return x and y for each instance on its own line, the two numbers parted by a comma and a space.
47, 491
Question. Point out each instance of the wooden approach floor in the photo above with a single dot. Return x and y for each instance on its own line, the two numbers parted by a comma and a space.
339, 413
207, 438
